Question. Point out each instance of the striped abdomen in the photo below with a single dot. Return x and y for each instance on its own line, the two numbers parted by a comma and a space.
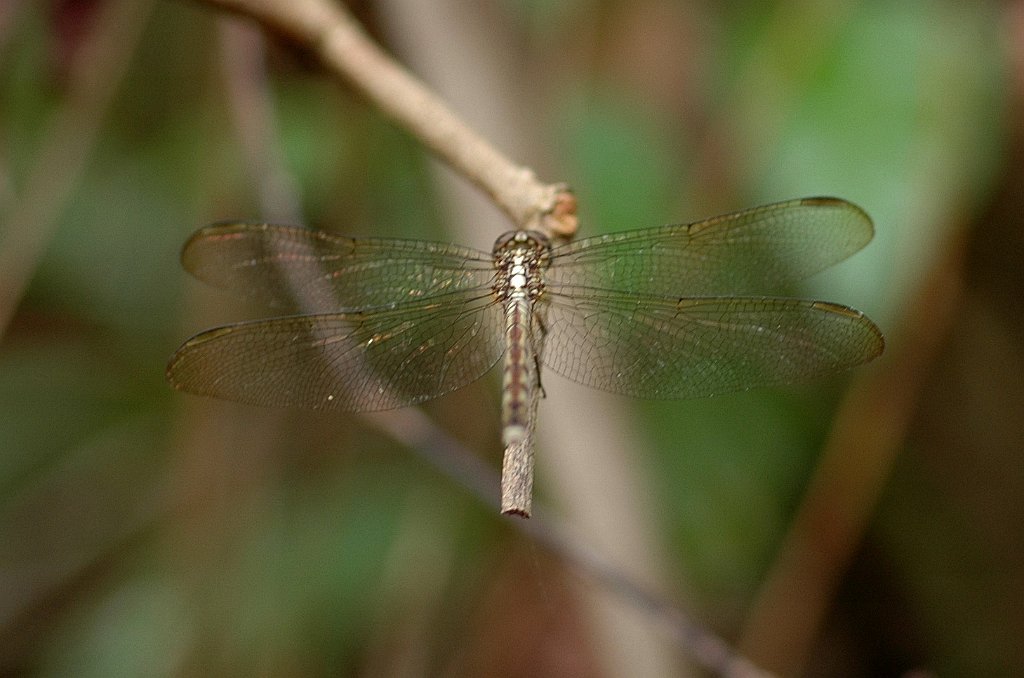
519, 378
520, 258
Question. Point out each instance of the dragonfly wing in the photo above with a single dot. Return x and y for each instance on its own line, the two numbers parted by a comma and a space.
650, 347
745, 253
308, 271
358, 361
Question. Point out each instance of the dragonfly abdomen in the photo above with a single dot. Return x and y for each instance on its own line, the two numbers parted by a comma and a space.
518, 379
520, 258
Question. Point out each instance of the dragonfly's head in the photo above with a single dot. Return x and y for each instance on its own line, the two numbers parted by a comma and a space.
532, 242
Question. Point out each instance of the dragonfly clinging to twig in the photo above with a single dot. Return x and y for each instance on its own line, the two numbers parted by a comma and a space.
671, 312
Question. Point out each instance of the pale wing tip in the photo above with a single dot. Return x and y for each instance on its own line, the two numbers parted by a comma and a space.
176, 372
854, 210
183, 361
832, 201
876, 340
221, 230
878, 346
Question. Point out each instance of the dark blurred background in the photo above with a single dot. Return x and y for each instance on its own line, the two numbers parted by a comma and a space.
867, 525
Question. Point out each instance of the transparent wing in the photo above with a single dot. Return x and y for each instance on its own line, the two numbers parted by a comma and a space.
695, 347
309, 271
756, 251
359, 361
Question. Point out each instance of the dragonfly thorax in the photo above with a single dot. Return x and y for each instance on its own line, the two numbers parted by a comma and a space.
520, 258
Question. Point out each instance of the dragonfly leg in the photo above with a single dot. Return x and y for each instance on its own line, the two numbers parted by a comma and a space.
536, 366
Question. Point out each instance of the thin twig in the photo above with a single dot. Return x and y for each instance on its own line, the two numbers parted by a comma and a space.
328, 31
517, 461
517, 471
252, 112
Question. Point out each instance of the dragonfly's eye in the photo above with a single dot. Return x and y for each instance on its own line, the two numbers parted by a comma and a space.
510, 239
503, 241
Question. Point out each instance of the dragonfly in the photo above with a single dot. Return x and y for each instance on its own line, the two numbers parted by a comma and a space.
671, 312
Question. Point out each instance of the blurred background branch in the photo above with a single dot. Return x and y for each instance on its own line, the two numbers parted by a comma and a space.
93, 77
